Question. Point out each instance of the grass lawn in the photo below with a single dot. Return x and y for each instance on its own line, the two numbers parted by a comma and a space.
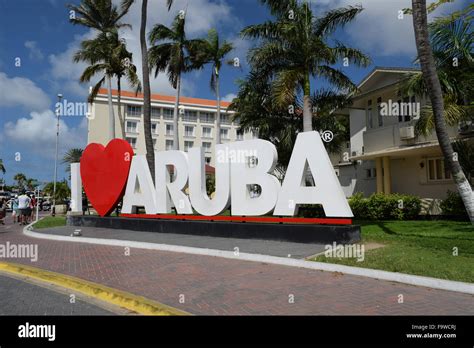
417, 247
50, 221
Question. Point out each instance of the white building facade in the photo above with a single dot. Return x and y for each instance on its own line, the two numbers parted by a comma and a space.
385, 155
197, 123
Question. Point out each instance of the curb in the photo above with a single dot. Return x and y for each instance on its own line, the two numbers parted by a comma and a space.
441, 284
134, 303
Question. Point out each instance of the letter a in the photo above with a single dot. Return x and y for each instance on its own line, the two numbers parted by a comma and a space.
309, 152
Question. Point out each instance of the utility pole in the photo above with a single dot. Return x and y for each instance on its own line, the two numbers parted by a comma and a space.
58, 113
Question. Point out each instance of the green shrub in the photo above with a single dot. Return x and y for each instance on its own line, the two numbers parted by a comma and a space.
385, 207
453, 205
359, 206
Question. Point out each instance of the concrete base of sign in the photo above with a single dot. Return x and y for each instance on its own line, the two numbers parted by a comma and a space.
298, 233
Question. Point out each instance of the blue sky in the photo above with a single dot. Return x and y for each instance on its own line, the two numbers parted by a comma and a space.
39, 34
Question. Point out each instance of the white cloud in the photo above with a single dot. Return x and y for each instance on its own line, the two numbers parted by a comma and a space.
35, 52
378, 27
229, 97
65, 73
19, 91
202, 15
37, 132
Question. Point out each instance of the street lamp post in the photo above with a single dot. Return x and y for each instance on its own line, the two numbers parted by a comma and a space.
58, 109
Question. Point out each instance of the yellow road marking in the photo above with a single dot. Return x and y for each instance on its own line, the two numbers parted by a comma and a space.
134, 303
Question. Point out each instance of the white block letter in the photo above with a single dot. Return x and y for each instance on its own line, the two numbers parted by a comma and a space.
171, 192
251, 163
76, 188
309, 152
197, 183
140, 191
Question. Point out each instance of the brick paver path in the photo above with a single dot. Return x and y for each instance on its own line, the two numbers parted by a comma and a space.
211, 285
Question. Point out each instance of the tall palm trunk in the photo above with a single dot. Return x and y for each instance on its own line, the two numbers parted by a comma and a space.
430, 76
119, 105
176, 115
111, 109
150, 151
307, 114
218, 120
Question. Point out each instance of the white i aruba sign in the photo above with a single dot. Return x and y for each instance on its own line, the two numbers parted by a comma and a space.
110, 174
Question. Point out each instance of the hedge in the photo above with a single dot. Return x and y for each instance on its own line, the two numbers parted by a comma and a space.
385, 207
453, 205
376, 207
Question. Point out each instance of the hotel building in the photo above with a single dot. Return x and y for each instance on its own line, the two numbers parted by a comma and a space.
197, 122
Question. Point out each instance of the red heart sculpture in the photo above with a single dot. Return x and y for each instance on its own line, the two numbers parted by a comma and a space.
104, 173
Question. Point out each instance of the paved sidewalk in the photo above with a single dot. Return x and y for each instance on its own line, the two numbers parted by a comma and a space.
211, 285
251, 246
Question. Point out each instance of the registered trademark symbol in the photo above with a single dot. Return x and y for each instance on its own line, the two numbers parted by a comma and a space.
327, 136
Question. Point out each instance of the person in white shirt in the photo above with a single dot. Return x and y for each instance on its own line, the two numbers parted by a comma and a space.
23, 206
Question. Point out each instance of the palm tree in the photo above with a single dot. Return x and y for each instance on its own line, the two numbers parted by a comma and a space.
213, 51
31, 184
107, 54
256, 111
433, 86
452, 41
150, 151
20, 179
175, 56
295, 49
2, 166
72, 156
103, 16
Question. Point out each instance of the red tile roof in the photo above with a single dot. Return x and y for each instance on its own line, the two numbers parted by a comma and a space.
167, 98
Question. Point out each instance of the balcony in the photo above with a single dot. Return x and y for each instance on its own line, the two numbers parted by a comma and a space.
397, 135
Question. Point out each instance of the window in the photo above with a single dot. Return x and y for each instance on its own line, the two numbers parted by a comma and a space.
206, 132
154, 128
168, 114
190, 116
369, 114
379, 113
169, 129
132, 127
237, 121
189, 131
240, 134
134, 111
370, 173
437, 170
169, 145
207, 147
206, 117
132, 142
225, 119
208, 160
188, 145
224, 134
154, 143
155, 112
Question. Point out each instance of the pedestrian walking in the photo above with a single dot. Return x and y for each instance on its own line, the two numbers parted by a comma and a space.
33, 204
3, 210
24, 207
15, 211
